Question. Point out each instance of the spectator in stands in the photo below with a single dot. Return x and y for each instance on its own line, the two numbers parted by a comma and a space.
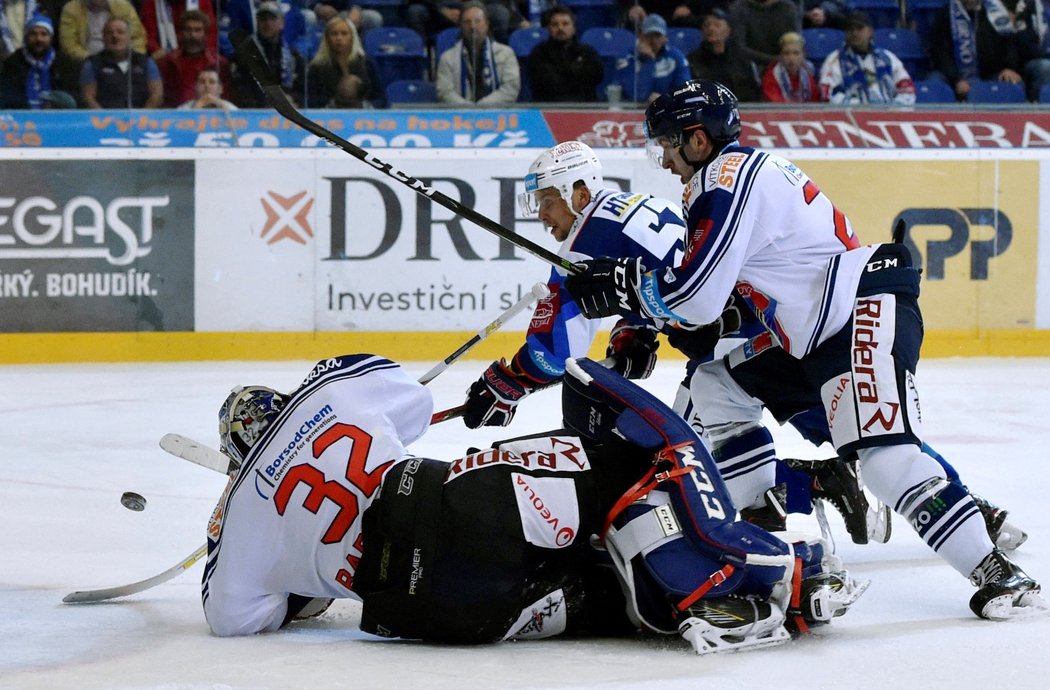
243, 15
720, 58
162, 20
655, 67
14, 14
1033, 36
208, 93
689, 13
364, 19
477, 70
180, 67
968, 43
31, 73
824, 14
759, 24
561, 69
117, 76
80, 30
341, 75
284, 60
861, 72
430, 17
791, 77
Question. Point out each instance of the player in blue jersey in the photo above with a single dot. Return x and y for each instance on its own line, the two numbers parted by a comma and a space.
848, 314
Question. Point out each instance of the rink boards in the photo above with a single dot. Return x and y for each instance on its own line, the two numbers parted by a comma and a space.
222, 253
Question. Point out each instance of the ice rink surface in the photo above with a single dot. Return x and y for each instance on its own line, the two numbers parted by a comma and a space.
75, 437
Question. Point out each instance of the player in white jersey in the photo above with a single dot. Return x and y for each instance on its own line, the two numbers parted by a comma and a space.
565, 189
848, 314
326, 503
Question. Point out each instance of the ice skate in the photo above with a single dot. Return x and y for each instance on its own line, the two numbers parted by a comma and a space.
836, 481
1003, 589
1003, 534
732, 623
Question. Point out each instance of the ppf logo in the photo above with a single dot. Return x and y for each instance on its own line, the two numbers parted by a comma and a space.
960, 223
289, 216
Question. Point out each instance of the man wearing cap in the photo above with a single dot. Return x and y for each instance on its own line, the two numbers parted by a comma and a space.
861, 72
655, 67
31, 73
243, 15
284, 61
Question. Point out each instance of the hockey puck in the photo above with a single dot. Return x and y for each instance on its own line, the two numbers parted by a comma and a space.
133, 501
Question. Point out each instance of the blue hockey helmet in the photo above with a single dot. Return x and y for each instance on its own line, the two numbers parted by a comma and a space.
699, 103
245, 415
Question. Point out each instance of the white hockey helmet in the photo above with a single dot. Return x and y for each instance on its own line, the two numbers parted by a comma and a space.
561, 167
245, 415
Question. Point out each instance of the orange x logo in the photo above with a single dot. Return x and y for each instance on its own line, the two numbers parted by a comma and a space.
289, 215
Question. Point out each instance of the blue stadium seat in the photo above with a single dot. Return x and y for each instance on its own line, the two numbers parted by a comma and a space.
411, 91
684, 38
933, 91
445, 39
522, 41
999, 92
820, 43
905, 44
884, 13
612, 44
592, 13
398, 52
1044, 94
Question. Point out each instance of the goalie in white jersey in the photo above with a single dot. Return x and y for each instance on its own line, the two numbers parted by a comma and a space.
849, 314
326, 503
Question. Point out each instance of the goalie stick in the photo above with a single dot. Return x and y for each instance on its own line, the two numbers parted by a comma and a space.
249, 54
90, 596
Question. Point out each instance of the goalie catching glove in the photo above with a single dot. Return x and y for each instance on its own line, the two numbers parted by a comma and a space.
632, 348
493, 399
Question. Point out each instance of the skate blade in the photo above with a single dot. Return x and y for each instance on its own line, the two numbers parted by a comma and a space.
1010, 537
880, 523
1015, 606
704, 645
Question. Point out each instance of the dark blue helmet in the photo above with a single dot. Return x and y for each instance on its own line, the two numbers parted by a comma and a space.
697, 103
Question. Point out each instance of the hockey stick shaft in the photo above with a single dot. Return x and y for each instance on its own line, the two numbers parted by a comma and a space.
90, 596
249, 55
538, 292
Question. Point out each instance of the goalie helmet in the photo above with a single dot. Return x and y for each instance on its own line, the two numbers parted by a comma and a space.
561, 167
698, 103
243, 418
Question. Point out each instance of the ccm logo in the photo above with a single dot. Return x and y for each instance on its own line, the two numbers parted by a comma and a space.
959, 222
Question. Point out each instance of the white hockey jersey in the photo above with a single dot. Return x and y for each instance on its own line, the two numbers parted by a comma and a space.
289, 522
757, 223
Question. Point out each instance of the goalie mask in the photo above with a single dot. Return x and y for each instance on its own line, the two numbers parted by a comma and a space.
561, 167
243, 418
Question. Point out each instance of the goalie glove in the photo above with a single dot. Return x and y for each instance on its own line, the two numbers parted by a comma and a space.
632, 348
698, 342
493, 399
607, 286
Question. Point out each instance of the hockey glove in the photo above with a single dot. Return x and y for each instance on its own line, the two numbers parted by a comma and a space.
607, 286
493, 399
698, 343
633, 350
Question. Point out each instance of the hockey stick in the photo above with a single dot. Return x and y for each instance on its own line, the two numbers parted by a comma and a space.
248, 53
91, 596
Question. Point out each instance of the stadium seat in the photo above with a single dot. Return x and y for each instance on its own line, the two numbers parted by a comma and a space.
389, 9
884, 14
1044, 94
397, 51
522, 41
684, 38
820, 43
612, 45
933, 91
445, 39
592, 13
411, 91
995, 92
905, 44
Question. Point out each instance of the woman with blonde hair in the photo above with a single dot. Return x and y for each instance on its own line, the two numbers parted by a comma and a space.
341, 75
791, 77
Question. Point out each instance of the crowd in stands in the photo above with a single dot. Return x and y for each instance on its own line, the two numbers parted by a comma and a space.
370, 53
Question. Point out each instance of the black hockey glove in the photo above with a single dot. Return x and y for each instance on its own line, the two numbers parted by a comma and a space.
632, 348
606, 286
698, 342
493, 399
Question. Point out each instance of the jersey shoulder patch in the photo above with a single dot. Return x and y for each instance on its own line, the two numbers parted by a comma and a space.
724, 171
618, 206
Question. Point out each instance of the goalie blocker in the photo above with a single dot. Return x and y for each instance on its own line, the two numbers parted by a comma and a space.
446, 559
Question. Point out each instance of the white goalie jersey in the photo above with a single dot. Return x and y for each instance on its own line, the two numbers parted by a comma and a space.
289, 521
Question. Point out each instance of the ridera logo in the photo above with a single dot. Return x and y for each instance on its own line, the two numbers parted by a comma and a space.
287, 218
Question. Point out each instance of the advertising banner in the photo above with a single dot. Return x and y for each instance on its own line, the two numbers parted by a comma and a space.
96, 246
833, 128
267, 129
